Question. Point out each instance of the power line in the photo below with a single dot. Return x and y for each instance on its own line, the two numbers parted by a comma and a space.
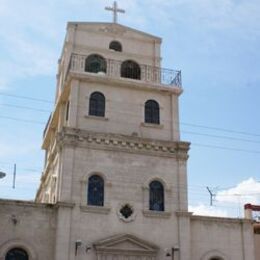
25, 107
221, 137
22, 120
124, 102
26, 97
226, 148
220, 129
194, 144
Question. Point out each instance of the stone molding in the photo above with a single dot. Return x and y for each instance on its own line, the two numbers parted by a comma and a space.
22, 203
183, 214
123, 82
13, 243
220, 219
156, 214
214, 254
64, 204
95, 209
116, 142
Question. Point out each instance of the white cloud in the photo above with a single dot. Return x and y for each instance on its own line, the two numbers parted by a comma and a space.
247, 191
230, 202
204, 210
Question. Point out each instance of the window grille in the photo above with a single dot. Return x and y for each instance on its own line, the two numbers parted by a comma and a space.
97, 104
95, 191
130, 69
156, 196
116, 46
95, 64
152, 112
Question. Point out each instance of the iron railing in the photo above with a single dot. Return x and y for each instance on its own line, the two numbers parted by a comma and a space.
117, 69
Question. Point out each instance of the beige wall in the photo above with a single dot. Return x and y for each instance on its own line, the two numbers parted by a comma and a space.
229, 239
257, 246
124, 111
29, 226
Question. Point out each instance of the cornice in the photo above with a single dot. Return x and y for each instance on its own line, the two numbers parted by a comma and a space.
115, 142
124, 82
220, 219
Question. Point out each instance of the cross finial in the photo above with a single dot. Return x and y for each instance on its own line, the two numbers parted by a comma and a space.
115, 10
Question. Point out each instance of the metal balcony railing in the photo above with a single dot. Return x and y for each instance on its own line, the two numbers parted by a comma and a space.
120, 69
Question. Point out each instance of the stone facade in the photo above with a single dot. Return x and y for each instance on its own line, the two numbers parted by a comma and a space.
128, 154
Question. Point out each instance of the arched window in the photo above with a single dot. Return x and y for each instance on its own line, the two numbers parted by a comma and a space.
152, 112
95, 191
115, 45
97, 104
16, 254
95, 64
130, 69
156, 198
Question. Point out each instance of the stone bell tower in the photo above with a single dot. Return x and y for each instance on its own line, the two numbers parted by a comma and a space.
114, 158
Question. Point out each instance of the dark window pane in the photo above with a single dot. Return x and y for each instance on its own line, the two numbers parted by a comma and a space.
116, 46
95, 63
95, 191
130, 69
156, 196
67, 110
152, 112
16, 254
97, 104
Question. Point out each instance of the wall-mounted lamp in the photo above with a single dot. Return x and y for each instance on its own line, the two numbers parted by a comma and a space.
78, 244
170, 252
88, 248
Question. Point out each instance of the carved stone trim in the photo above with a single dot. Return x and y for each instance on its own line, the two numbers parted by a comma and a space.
103, 141
111, 246
130, 218
95, 209
156, 214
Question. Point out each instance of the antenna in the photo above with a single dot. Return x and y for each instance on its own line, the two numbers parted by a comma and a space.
14, 176
212, 195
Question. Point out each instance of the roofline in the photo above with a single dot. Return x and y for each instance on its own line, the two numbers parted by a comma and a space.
116, 24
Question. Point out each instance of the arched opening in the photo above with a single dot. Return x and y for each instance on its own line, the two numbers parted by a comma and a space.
95, 191
156, 196
152, 112
17, 254
95, 63
115, 45
130, 69
97, 104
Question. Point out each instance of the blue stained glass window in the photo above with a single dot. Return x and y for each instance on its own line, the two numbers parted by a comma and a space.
95, 191
156, 200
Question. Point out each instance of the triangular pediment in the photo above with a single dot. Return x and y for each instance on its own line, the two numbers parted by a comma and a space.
125, 243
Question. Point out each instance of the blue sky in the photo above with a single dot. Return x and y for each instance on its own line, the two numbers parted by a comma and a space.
214, 43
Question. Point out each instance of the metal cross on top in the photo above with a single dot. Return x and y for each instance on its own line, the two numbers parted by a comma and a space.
115, 10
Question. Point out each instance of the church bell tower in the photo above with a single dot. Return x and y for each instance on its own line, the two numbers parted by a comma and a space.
114, 158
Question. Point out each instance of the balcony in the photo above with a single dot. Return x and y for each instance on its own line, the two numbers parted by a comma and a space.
127, 69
